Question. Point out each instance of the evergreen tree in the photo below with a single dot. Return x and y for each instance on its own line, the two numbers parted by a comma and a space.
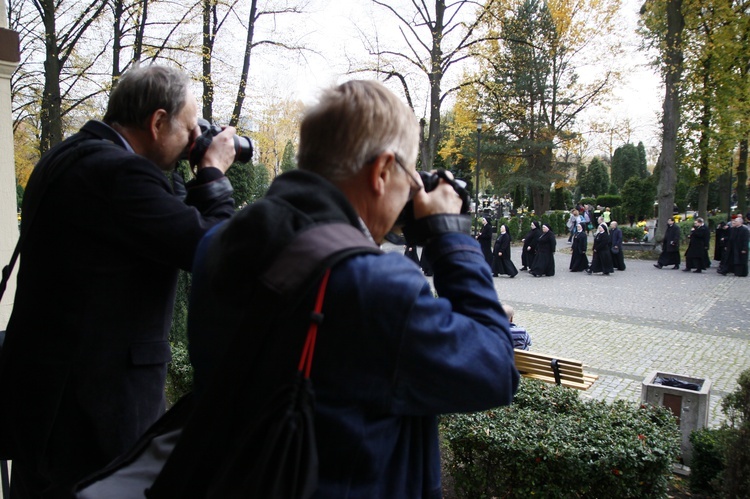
260, 181
638, 197
241, 177
625, 164
596, 180
287, 159
642, 164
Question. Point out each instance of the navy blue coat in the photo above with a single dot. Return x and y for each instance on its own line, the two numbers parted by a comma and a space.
389, 357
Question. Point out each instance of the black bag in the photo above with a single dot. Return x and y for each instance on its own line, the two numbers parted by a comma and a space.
276, 453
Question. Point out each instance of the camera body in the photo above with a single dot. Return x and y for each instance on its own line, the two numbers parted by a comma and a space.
243, 148
431, 181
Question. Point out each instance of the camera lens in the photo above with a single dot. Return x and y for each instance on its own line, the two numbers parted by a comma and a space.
243, 149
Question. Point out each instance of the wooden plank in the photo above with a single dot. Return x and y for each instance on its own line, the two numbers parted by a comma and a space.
526, 353
537, 367
551, 380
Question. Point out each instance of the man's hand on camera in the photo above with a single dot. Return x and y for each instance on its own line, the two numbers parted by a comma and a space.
442, 200
220, 154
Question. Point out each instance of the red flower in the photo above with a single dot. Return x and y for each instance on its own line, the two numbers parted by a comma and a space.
641, 437
616, 472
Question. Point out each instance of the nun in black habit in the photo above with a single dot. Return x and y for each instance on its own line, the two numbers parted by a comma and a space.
529, 245
544, 260
501, 262
602, 259
485, 240
722, 241
578, 259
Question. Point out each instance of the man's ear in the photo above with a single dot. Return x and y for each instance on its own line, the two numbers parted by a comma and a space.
378, 172
158, 123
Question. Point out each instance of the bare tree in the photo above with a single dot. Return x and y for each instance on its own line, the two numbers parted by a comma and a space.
254, 18
435, 40
60, 43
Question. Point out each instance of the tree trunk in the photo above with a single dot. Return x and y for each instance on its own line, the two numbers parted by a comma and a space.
235, 118
429, 145
742, 178
703, 144
206, 52
671, 115
138, 43
725, 192
51, 111
117, 41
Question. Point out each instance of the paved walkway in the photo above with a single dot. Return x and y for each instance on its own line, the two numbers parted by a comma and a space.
628, 324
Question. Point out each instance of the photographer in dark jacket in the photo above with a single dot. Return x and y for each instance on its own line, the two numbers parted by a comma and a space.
84, 364
390, 356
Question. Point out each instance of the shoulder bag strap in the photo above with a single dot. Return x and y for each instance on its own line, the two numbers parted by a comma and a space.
310, 253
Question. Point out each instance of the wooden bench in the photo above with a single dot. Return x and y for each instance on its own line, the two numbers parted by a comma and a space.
565, 372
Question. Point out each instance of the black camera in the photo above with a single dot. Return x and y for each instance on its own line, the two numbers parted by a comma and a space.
431, 181
243, 148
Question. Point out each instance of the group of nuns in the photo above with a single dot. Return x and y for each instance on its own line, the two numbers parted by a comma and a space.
538, 248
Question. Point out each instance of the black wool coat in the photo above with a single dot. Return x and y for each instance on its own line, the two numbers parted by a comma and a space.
86, 353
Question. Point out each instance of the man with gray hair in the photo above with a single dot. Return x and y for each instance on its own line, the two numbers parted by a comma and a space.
390, 356
103, 235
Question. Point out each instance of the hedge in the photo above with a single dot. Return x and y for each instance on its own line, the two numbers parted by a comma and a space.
720, 465
552, 444
633, 233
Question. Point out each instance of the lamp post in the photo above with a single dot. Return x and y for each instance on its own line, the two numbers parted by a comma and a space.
476, 187
731, 166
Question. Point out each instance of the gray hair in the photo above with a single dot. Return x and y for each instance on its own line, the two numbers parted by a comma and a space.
143, 90
353, 123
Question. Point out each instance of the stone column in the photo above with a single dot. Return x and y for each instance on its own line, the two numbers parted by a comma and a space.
9, 58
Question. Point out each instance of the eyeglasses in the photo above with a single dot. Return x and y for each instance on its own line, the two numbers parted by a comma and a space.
414, 186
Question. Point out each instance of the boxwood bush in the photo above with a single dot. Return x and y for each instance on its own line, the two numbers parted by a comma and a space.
721, 456
632, 233
552, 444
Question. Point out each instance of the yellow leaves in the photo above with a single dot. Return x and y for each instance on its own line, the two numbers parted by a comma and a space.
26, 151
277, 123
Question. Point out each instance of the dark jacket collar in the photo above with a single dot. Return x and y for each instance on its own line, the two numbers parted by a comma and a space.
256, 235
101, 130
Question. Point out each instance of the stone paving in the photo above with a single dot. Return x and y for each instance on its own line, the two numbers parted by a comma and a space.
628, 324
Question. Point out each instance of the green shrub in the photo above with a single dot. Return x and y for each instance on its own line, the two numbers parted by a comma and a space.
610, 200
591, 201
713, 221
514, 227
631, 233
179, 374
736, 406
721, 457
618, 214
707, 460
686, 226
550, 443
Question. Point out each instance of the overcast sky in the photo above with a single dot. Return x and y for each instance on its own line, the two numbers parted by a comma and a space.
333, 26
